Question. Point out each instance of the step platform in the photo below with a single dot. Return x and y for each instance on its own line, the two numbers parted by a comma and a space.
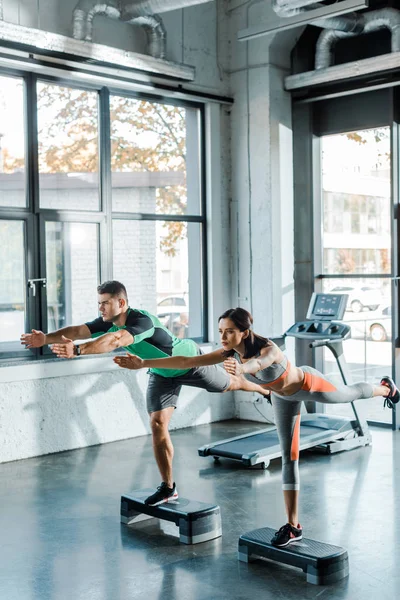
197, 521
322, 563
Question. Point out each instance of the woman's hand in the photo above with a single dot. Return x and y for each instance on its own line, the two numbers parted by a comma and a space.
130, 361
232, 366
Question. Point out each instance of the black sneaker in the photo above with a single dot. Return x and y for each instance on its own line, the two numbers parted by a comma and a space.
394, 395
286, 535
162, 494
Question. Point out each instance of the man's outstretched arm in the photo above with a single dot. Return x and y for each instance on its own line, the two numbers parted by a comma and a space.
37, 339
101, 345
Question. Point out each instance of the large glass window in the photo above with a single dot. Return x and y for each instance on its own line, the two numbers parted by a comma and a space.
12, 284
72, 269
356, 248
159, 262
12, 142
139, 218
155, 163
68, 148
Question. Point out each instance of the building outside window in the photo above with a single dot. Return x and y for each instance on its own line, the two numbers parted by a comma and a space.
356, 241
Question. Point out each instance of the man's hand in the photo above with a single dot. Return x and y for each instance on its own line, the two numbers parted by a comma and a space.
64, 350
130, 361
233, 366
36, 339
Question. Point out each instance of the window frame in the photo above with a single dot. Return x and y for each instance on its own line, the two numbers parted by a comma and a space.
312, 120
36, 217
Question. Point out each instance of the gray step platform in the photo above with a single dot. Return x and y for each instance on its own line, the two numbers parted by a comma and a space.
197, 521
322, 563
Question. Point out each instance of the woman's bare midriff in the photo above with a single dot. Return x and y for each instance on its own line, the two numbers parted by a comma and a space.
291, 384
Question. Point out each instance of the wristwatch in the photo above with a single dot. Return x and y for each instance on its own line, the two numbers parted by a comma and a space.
77, 350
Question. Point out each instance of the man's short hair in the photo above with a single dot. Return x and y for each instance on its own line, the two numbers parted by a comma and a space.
115, 288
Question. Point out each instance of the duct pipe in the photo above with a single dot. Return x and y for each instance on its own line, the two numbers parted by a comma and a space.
143, 8
324, 51
156, 34
84, 13
128, 11
352, 23
385, 18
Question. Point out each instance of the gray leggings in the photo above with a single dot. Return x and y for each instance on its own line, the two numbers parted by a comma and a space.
316, 387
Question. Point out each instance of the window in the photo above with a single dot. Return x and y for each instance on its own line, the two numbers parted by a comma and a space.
12, 283
68, 148
130, 182
12, 143
356, 251
155, 166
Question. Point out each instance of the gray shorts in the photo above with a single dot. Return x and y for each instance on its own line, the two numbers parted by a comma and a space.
163, 392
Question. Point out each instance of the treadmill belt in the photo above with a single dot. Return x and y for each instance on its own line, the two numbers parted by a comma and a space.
249, 444
259, 441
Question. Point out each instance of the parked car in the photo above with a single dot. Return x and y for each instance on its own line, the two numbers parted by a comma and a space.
167, 318
360, 297
381, 329
377, 329
177, 323
172, 304
169, 309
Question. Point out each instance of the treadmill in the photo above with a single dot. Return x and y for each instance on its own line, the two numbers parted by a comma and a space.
329, 433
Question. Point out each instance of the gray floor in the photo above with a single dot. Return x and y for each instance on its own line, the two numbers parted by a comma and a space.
61, 537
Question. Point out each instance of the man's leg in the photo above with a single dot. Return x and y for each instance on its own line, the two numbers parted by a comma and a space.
162, 396
162, 444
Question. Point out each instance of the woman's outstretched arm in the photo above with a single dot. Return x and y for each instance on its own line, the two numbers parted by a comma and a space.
130, 361
267, 357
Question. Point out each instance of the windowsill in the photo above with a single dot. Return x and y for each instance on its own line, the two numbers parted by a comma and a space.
46, 368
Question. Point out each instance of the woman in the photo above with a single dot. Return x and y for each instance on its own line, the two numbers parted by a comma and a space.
245, 353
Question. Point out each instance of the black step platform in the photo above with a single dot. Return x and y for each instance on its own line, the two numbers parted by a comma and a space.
322, 563
197, 521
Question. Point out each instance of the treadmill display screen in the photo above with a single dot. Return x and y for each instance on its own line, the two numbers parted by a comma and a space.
327, 305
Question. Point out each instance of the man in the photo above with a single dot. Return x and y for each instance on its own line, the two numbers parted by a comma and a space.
142, 334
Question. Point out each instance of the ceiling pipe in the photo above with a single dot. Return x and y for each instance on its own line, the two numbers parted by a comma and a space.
385, 18
142, 12
84, 13
156, 34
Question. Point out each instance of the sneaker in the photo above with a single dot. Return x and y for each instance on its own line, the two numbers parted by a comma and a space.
162, 494
394, 395
286, 535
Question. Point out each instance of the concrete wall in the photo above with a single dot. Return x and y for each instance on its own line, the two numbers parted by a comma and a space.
262, 186
60, 405
250, 225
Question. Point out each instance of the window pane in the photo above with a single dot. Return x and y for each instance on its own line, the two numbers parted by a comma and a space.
356, 202
369, 350
12, 142
154, 157
72, 269
12, 285
160, 264
68, 148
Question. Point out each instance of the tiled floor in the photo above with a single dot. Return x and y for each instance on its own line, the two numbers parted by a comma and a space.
61, 538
